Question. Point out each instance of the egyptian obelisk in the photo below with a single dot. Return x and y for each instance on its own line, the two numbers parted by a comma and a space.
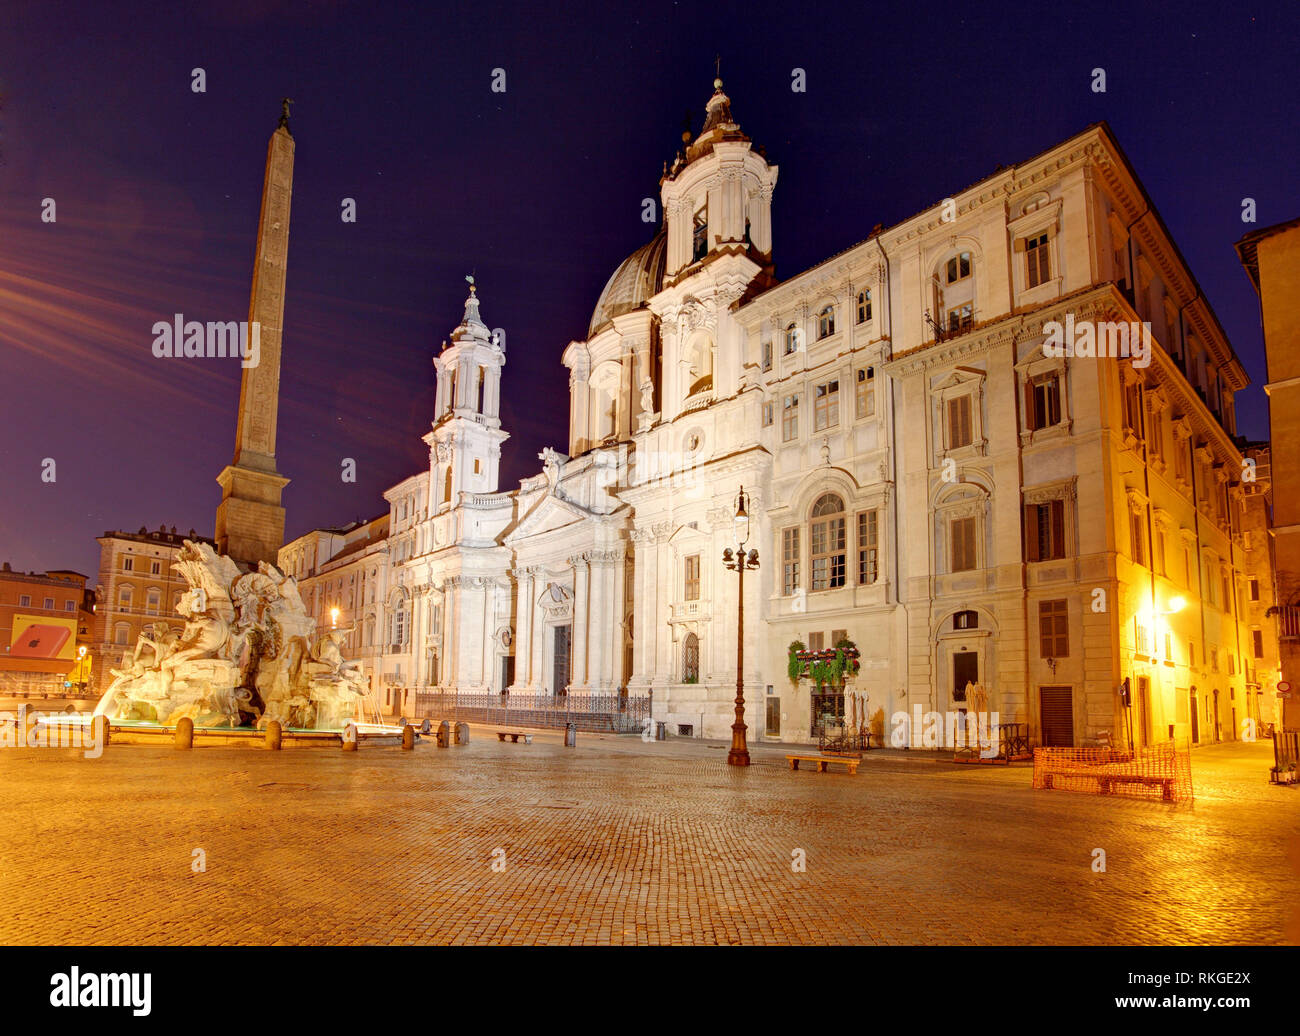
250, 520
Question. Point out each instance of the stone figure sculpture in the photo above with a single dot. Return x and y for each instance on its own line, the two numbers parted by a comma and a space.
248, 654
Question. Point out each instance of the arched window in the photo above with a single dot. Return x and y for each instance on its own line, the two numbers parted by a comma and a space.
691, 659
828, 541
791, 339
864, 306
826, 322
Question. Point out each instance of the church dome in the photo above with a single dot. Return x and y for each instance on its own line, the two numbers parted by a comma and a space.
637, 279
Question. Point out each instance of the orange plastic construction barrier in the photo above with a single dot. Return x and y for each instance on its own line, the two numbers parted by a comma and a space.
1162, 771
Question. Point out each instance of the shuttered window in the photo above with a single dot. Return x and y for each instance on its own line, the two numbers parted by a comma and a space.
1053, 629
1056, 715
959, 427
962, 533
1045, 531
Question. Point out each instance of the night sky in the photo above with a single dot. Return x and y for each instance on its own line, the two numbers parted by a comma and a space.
536, 191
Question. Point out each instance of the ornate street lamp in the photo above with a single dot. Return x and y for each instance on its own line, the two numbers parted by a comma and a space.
738, 561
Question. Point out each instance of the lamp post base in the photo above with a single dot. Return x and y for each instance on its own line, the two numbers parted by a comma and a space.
739, 754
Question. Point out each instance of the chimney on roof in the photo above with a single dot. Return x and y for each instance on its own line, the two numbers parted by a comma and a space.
7, 568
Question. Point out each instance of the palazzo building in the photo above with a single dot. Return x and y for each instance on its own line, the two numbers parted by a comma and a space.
925, 476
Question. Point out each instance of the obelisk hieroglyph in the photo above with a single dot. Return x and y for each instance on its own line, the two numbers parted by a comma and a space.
250, 520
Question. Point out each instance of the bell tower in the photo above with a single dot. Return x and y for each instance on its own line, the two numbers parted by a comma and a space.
717, 200
465, 441
717, 195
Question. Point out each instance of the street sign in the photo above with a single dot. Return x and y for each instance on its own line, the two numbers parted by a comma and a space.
1284, 687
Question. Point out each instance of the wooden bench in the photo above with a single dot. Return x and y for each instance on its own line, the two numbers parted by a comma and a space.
823, 761
1105, 780
1166, 784
514, 736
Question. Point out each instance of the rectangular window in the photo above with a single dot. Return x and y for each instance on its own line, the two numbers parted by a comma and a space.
789, 560
1043, 402
866, 392
48, 605
790, 418
1159, 541
816, 641
958, 267
1187, 568
959, 423
1054, 629
962, 537
1045, 531
1257, 641
1037, 267
1254, 589
69, 606
1132, 411
767, 356
24, 600
700, 235
960, 317
1138, 527
128, 564
155, 568
1227, 596
692, 587
826, 405
1214, 659
868, 548
769, 411
1156, 431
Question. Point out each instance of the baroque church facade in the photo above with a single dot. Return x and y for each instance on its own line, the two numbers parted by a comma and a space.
923, 477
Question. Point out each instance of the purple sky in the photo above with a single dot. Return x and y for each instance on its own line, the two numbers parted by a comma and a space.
537, 191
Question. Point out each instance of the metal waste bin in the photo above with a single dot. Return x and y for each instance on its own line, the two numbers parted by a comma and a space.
661, 731
570, 735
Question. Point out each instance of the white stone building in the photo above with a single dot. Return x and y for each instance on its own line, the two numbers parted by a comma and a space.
923, 476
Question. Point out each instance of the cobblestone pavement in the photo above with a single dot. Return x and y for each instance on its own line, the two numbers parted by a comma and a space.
618, 842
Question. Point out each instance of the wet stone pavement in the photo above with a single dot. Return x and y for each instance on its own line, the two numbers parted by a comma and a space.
619, 842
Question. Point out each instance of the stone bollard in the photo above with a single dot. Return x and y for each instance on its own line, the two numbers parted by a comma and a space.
408, 737
426, 726
570, 735
23, 727
184, 736
444, 734
462, 733
350, 738
99, 731
274, 735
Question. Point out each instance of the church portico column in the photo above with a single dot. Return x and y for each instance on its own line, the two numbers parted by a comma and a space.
597, 620
581, 595
524, 630
617, 676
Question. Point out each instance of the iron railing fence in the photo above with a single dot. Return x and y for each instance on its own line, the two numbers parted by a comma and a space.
594, 713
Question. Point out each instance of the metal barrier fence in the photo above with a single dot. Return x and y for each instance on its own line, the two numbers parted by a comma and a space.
594, 713
1164, 769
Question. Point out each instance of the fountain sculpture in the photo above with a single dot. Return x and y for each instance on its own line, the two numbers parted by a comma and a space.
249, 654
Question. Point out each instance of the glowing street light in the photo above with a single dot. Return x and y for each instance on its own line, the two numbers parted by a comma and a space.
334, 618
738, 561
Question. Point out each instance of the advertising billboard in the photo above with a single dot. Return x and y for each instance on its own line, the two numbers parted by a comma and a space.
44, 638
